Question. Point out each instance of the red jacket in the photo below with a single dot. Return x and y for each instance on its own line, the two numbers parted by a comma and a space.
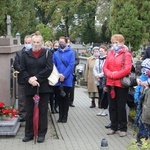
113, 67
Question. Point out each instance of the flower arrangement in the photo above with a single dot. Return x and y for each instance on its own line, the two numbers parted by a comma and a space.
134, 146
7, 111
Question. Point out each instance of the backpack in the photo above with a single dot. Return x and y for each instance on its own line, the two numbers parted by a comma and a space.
146, 108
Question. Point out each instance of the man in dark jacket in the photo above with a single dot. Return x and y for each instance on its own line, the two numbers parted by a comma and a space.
147, 53
21, 84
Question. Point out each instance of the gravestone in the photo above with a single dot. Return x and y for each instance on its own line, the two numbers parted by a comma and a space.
8, 48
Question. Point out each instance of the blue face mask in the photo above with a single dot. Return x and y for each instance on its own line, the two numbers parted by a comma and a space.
116, 47
28, 46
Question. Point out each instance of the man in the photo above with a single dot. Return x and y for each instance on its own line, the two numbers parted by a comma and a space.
21, 84
71, 96
147, 53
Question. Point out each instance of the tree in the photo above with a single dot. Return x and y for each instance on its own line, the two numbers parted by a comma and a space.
125, 19
71, 18
45, 31
22, 15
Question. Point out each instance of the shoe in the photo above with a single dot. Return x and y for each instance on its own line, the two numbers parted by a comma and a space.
104, 113
56, 110
27, 139
122, 133
59, 120
111, 132
98, 114
64, 119
108, 126
53, 111
40, 139
72, 105
92, 104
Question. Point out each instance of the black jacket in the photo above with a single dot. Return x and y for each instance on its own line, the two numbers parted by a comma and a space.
40, 67
17, 65
147, 53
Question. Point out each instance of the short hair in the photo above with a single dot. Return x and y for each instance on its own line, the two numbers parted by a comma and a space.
103, 47
55, 42
118, 37
48, 43
63, 37
27, 36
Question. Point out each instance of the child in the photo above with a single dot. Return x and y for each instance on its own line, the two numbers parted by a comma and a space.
139, 98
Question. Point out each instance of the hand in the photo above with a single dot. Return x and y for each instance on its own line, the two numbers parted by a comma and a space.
105, 89
35, 83
62, 77
97, 78
31, 79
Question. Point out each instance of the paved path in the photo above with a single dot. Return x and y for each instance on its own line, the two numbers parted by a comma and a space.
83, 131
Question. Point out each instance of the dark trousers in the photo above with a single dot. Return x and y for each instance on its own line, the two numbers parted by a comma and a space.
71, 95
21, 101
63, 101
117, 108
43, 108
103, 98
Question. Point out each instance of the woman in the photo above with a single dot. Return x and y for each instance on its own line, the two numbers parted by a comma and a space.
36, 69
115, 70
100, 80
89, 77
64, 60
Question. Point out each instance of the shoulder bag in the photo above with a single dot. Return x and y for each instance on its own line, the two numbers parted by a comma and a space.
129, 80
54, 76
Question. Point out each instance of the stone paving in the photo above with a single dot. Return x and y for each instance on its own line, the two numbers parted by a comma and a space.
83, 131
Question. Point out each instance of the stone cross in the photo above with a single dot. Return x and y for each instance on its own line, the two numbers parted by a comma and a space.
8, 21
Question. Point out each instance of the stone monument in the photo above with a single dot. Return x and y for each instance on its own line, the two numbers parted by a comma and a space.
8, 48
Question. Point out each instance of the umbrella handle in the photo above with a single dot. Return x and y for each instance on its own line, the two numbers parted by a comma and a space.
37, 89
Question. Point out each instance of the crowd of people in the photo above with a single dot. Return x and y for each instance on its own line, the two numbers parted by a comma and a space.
103, 74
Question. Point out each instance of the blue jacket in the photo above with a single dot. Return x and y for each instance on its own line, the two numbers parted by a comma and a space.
139, 88
65, 61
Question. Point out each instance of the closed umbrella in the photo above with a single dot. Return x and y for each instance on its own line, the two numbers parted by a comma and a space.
36, 99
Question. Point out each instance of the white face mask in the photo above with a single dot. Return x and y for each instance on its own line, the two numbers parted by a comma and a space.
102, 54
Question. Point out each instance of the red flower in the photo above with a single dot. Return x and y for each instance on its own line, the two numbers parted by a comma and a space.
2, 105
7, 111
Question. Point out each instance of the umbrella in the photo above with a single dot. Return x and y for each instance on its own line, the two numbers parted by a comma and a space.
36, 99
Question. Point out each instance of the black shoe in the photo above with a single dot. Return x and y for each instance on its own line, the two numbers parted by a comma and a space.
108, 126
64, 120
60, 119
53, 111
72, 105
40, 139
27, 139
56, 110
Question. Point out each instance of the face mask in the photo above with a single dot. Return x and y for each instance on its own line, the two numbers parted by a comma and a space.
36, 47
96, 54
55, 49
62, 45
116, 47
102, 54
28, 46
